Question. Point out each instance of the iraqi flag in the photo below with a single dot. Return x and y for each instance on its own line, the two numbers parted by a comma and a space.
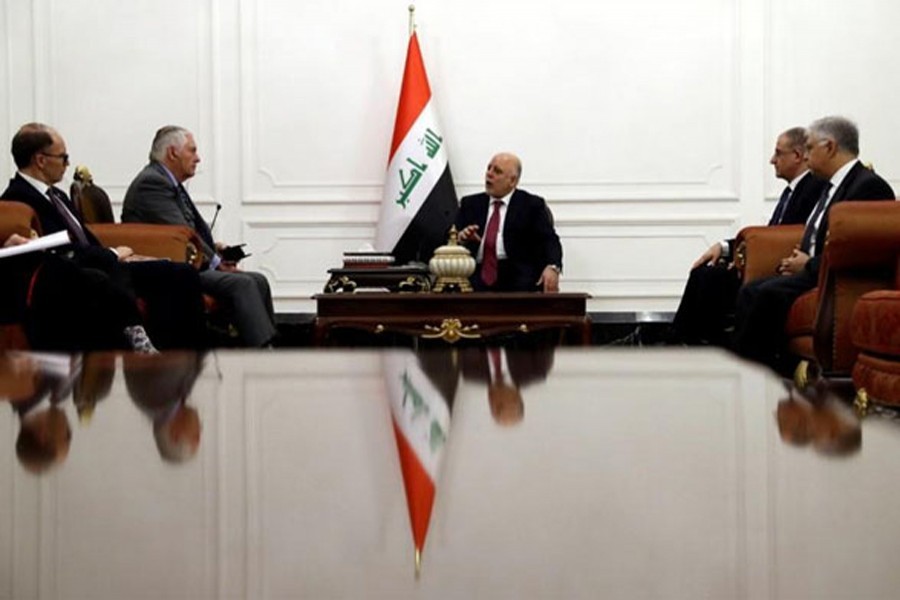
421, 416
419, 203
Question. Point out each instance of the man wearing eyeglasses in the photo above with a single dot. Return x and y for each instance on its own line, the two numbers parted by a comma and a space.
174, 307
707, 304
763, 305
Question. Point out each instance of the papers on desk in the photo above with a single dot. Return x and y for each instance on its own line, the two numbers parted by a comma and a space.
60, 238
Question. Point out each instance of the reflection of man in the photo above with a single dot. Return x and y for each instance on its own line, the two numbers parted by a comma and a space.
763, 305
711, 289
506, 371
94, 383
160, 385
157, 196
510, 233
36, 385
826, 422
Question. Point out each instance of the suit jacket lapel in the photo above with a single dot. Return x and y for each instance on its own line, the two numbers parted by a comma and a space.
47, 213
513, 213
841, 192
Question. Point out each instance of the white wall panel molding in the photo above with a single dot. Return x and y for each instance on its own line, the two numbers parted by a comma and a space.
6, 70
315, 116
665, 221
273, 522
108, 83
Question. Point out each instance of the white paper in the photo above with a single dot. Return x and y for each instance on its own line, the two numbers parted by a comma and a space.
60, 238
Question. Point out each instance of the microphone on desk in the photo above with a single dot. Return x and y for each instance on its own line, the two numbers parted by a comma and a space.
212, 223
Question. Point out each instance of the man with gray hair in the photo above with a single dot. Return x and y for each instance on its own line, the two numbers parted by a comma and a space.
157, 195
762, 307
707, 304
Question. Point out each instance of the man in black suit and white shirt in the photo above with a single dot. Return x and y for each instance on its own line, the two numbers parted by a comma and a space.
707, 304
174, 316
510, 233
763, 305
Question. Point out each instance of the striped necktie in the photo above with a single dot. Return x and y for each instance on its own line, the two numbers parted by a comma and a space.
812, 225
76, 231
194, 218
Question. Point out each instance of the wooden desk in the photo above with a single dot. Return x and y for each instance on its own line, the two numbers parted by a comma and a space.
452, 317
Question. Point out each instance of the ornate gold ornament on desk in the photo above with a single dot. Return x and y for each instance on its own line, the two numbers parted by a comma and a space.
452, 265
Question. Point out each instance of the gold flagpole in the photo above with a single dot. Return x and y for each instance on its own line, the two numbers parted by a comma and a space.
412, 30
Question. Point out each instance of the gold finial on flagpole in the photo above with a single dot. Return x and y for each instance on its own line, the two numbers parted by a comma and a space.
412, 19
418, 563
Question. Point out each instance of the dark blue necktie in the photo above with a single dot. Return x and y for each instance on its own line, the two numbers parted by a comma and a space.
194, 218
812, 224
781, 207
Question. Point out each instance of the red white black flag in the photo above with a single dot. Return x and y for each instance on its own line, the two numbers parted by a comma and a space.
419, 202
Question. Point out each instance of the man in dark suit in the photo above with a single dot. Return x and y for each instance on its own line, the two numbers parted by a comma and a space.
157, 196
171, 291
506, 371
160, 385
41, 384
763, 305
707, 304
66, 308
510, 233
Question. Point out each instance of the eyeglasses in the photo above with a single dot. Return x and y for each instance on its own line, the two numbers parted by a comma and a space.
63, 156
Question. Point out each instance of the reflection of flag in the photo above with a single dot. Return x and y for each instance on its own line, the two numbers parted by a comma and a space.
419, 202
421, 424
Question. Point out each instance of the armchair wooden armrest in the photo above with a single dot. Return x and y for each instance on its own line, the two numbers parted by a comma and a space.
759, 249
16, 217
861, 255
863, 235
175, 242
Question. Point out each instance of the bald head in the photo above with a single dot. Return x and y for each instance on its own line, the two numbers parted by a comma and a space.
503, 173
40, 152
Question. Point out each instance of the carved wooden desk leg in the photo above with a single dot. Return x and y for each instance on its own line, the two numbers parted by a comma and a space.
320, 333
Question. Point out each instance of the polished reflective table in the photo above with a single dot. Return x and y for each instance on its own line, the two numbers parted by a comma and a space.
567, 473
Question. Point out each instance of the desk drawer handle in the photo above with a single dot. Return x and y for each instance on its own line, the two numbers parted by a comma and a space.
452, 330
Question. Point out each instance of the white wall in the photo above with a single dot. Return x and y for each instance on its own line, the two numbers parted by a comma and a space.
646, 124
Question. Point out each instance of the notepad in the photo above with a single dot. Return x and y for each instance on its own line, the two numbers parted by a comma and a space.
60, 238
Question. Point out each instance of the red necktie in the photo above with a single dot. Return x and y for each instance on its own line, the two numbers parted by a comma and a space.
489, 254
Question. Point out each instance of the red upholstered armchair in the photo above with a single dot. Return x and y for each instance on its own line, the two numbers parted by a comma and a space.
873, 246
175, 242
760, 248
860, 256
15, 217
